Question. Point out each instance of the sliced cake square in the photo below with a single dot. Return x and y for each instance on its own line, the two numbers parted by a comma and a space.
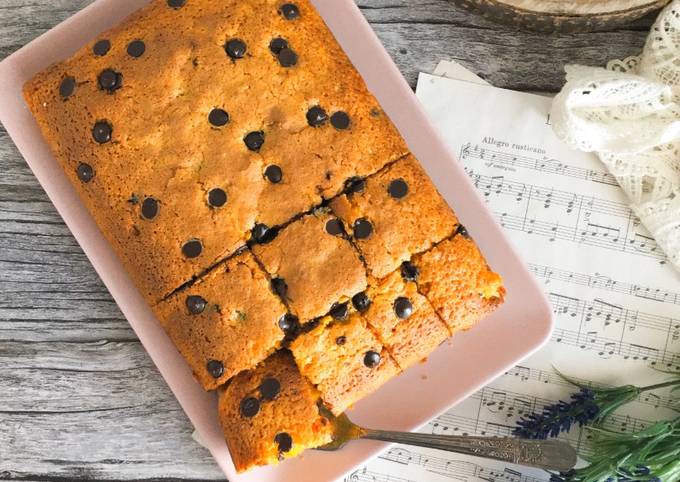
312, 265
456, 279
403, 319
226, 322
343, 359
271, 413
394, 215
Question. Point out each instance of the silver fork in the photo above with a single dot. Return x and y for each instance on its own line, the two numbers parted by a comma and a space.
543, 454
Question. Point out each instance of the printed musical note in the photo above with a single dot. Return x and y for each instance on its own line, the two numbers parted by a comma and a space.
601, 281
608, 313
526, 207
545, 164
455, 467
365, 475
546, 377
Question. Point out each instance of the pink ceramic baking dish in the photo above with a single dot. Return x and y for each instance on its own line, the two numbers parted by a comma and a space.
456, 370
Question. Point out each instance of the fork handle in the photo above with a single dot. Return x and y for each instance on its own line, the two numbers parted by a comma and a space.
543, 454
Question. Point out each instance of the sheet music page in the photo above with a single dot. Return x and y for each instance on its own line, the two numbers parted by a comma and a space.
616, 300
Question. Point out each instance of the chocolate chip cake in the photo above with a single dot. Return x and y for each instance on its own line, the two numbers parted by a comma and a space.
394, 214
271, 413
312, 265
403, 319
226, 322
265, 206
456, 279
343, 358
198, 123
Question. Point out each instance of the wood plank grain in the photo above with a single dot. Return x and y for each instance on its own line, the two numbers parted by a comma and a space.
529, 62
94, 411
79, 397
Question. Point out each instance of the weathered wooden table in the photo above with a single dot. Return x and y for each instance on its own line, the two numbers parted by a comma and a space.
79, 397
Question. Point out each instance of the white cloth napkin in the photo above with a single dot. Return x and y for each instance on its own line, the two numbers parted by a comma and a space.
629, 114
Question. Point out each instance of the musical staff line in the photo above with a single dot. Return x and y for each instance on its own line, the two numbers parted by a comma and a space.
454, 468
524, 373
606, 283
547, 196
611, 314
512, 405
567, 216
545, 164
608, 347
365, 475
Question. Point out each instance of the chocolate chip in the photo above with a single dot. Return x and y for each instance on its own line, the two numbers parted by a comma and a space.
290, 11
192, 248
289, 324
270, 389
409, 271
235, 48
102, 132
288, 57
136, 48
277, 45
85, 172
274, 174
254, 140
341, 340
316, 116
176, 3
217, 197
339, 311
284, 441
361, 301
398, 189
67, 87
403, 307
334, 227
101, 48
340, 120
218, 117
195, 304
362, 228
372, 359
250, 407
261, 233
355, 185
279, 287
110, 80
310, 325
463, 231
149, 208
215, 368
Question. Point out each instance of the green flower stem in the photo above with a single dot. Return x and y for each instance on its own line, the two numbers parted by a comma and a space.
658, 386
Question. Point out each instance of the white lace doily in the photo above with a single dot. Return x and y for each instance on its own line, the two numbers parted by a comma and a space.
629, 114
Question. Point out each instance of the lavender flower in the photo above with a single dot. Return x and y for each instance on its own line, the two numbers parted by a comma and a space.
588, 405
559, 417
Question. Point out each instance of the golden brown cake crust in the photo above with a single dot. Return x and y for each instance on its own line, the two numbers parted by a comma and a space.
456, 279
317, 267
271, 413
164, 147
405, 215
334, 358
404, 320
225, 323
